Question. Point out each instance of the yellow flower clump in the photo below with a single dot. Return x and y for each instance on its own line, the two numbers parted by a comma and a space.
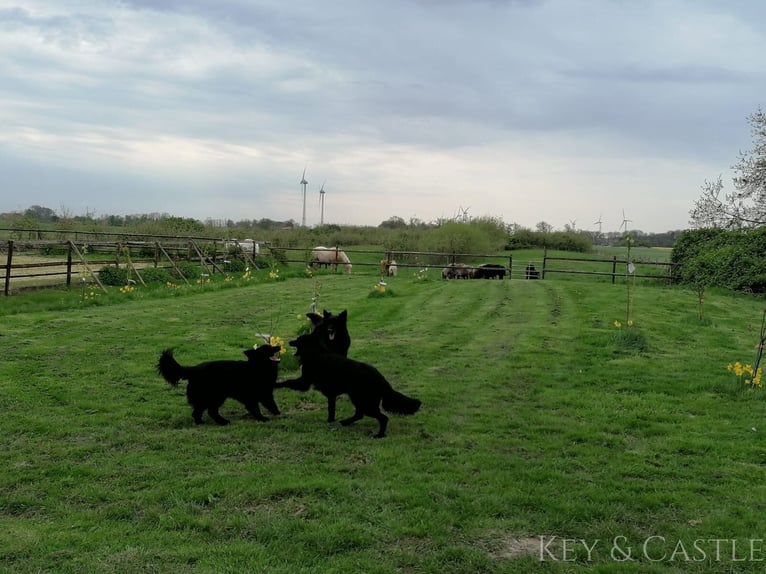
275, 341
746, 373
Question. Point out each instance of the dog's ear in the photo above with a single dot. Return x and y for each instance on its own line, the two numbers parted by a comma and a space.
316, 318
293, 343
343, 315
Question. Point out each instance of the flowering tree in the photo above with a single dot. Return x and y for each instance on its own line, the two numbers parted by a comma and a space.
746, 206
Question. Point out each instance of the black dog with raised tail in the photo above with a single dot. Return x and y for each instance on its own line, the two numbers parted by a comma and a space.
333, 374
210, 384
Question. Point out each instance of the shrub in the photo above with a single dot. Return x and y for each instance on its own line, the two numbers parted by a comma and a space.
155, 275
190, 270
234, 265
111, 275
732, 259
570, 241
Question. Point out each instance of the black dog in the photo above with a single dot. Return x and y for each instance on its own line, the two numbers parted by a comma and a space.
530, 272
333, 375
210, 384
332, 330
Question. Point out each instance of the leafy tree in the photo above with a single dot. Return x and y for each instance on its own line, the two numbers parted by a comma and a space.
544, 227
746, 206
457, 237
493, 228
394, 222
41, 214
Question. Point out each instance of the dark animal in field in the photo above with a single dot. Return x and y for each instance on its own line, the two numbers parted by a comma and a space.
530, 272
457, 271
329, 256
334, 375
332, 330
489, 271
210, 384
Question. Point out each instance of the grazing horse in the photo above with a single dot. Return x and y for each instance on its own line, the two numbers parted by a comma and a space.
388, 267
329, 256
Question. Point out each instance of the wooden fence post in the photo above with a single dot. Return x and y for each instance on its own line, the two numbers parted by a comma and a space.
510, 267
69, 265
8, 262
545, 261
614, 268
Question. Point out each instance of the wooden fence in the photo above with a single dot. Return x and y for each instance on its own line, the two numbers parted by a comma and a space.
62, 260
65, 259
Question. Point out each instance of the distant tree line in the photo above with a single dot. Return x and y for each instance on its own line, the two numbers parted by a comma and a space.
475, 234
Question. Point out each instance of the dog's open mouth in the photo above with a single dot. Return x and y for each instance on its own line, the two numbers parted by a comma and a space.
330, 334
275, 357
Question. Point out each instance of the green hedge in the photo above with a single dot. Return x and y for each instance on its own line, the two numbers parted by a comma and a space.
733, 259
118, 276
155, 275
111, 275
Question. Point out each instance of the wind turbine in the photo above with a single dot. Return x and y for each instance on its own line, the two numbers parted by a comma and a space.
598, 223
463, 214
304, 183
625, 222
321, 203
572, 223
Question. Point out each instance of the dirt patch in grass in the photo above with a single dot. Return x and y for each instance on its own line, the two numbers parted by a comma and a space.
515, 546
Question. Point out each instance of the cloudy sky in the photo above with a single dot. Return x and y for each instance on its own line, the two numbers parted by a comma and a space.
529, 110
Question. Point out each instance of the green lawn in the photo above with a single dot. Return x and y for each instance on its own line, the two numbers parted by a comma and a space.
544, 429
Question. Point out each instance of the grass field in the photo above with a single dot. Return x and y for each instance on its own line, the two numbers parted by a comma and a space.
549, 439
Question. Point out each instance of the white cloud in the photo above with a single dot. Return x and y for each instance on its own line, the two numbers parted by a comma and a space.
527, 110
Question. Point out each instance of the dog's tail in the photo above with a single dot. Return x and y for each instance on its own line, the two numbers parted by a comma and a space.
169, 368
396, 402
